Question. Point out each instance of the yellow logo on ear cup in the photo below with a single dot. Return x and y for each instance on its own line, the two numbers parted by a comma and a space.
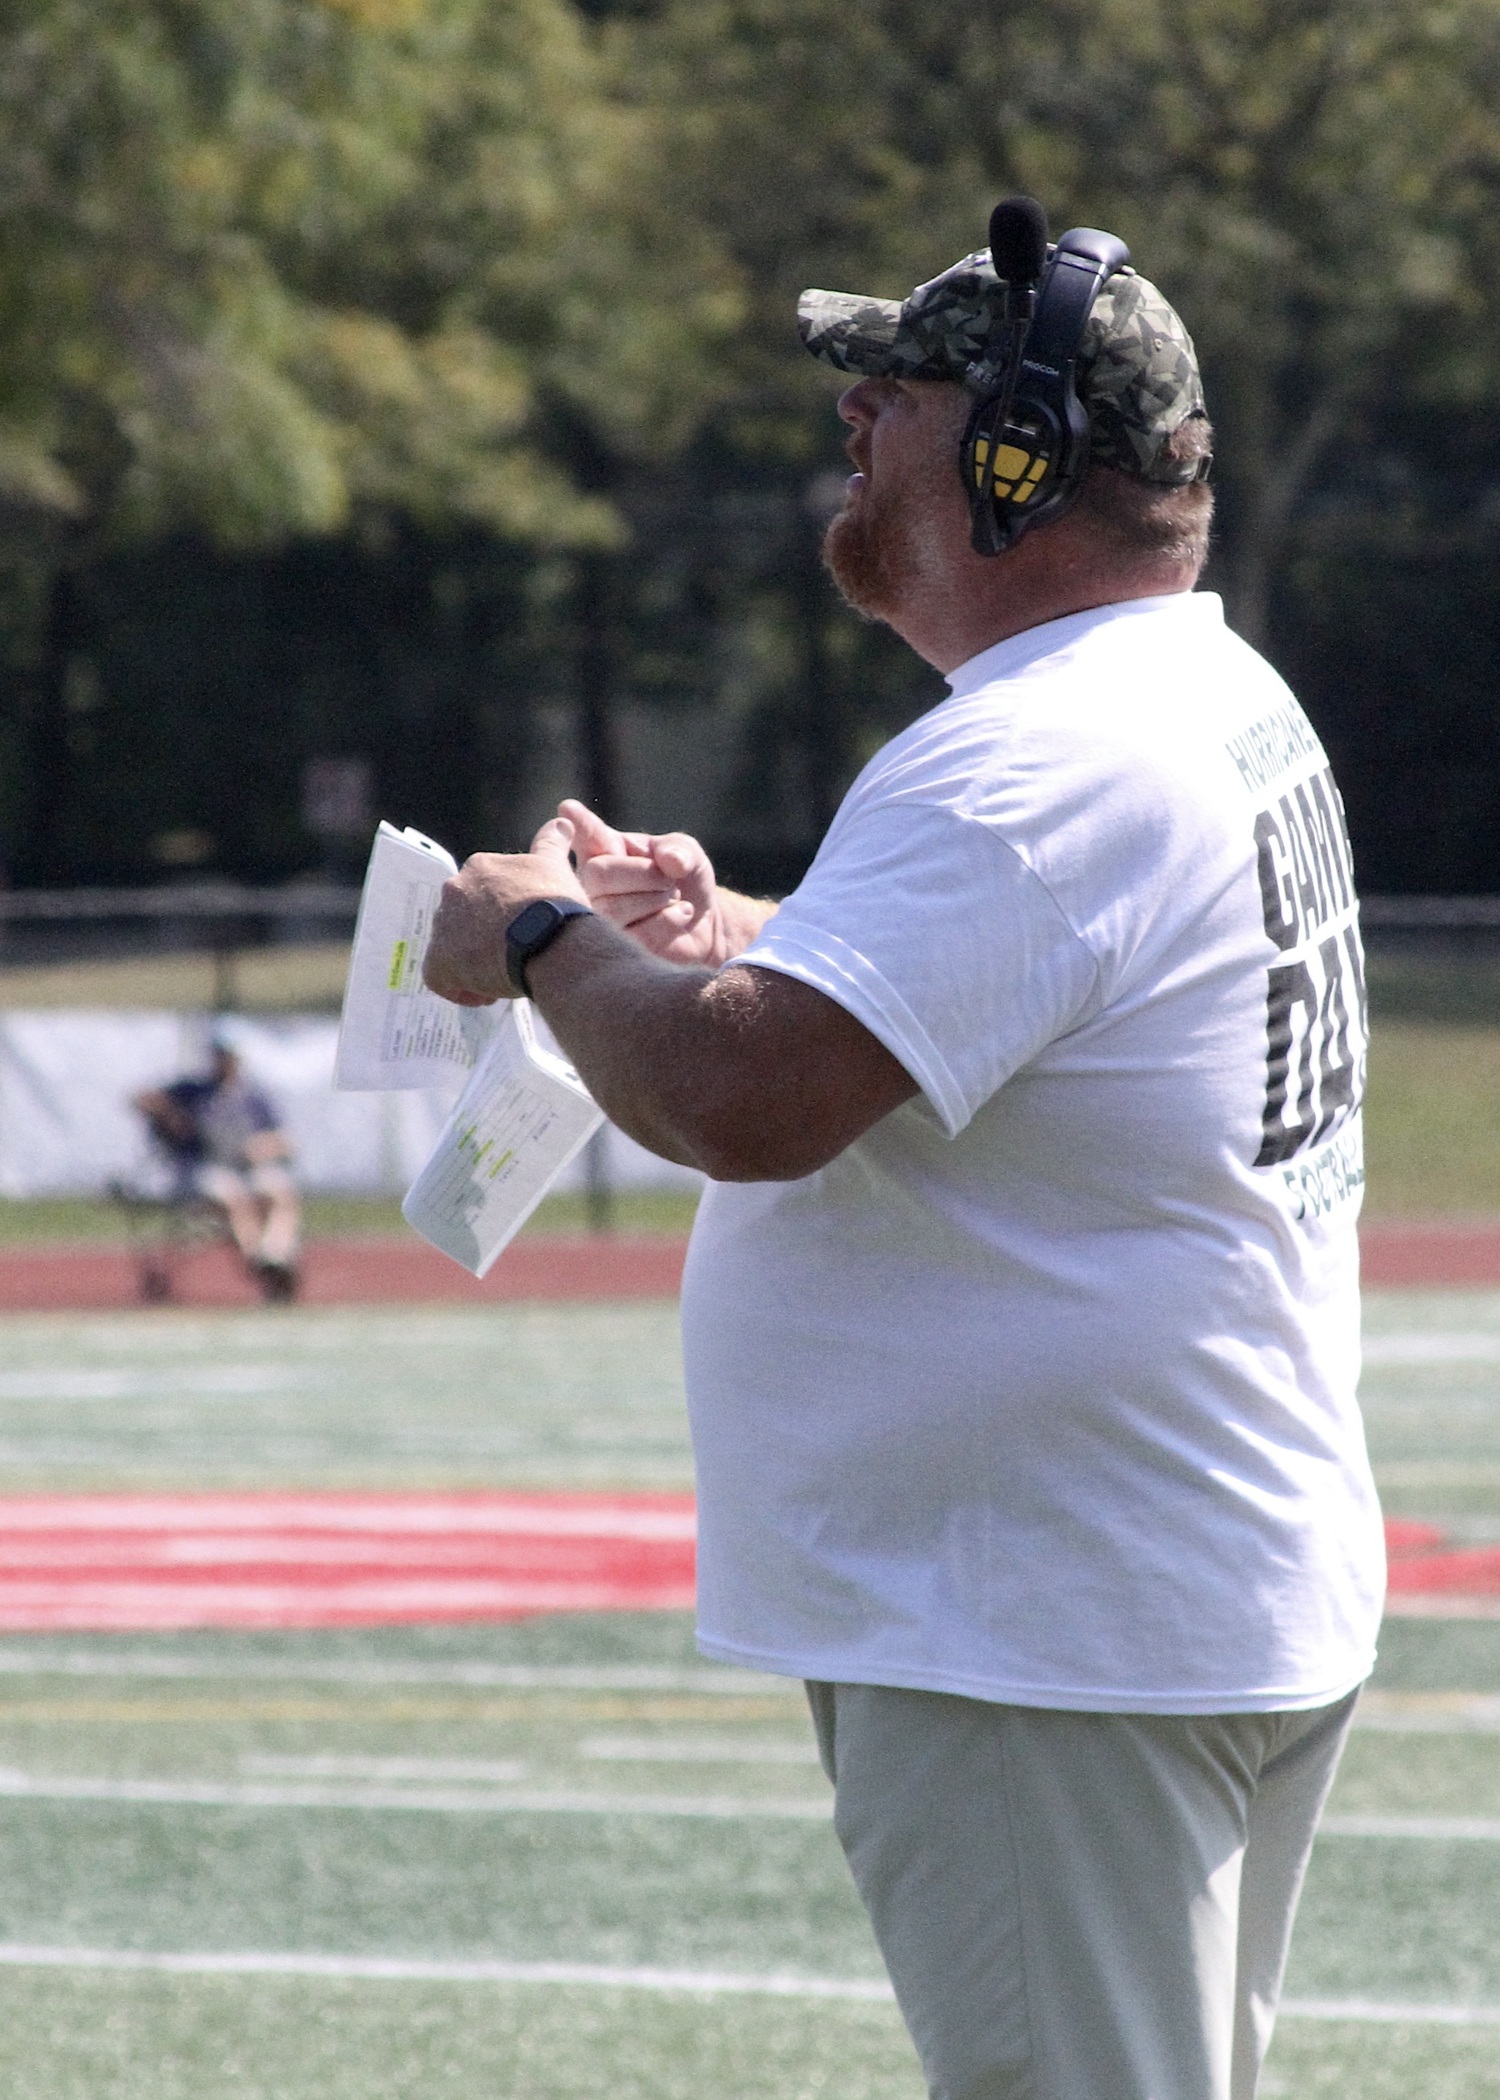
1032, 476
1015, 472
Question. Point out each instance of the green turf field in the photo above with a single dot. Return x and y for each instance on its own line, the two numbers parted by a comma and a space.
563, 1858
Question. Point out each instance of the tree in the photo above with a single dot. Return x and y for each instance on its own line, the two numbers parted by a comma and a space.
285, 268
267, 263
1310, 180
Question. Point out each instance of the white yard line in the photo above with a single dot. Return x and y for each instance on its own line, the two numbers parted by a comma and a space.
1482, 1829
1416, 1345
515, 1677
1392, 2012
465, 1801
380, 1968
494, 1801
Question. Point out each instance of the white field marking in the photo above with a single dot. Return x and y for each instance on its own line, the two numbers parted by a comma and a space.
456, 1801
379, 1968
133, 1605
604, 1517
1435, 1829
154, 1384
1437, 1346
1389, 2012
488, 1800
1440, 1604
697, 1749
38, 1661
482, 1771
1429, 1713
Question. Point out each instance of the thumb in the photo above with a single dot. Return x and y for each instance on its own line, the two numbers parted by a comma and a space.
554, 839
591, 835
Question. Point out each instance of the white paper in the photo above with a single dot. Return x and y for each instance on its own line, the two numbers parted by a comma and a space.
523, 1115
524, 1112
393, 1031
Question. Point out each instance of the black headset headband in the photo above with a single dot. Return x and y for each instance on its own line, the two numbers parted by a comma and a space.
1026, 448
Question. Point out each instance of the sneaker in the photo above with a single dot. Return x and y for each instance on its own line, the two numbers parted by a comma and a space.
279, 1281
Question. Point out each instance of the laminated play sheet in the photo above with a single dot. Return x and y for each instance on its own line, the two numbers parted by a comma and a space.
393, 1031
518, 1122
523, 1113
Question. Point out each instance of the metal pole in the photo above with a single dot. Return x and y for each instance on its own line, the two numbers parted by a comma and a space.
599, 768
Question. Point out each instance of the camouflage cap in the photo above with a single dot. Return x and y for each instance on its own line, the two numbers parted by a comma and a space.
1137, 374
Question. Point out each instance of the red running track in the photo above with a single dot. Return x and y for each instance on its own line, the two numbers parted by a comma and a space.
407, 1271
354, 1272
137, 1563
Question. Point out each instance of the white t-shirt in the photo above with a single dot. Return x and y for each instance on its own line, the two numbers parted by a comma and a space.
1044, 1390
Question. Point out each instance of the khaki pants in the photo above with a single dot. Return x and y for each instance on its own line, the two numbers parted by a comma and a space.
1078, 1906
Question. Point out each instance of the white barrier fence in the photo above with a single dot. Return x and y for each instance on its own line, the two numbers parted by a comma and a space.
67, 1127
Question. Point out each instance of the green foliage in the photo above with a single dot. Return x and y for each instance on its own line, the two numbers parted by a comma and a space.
1310, 181
524, 271
270, 264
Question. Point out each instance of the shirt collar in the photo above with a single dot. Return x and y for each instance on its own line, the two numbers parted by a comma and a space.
1004, 659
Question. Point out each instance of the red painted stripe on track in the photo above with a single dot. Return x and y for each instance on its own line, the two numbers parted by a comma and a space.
139, 1562
1474, 1572
356, 1272
119, 1563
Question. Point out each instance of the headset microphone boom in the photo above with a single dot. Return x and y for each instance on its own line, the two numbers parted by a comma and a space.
1025, 449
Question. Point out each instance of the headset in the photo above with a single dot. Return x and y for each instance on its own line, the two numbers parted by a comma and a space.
1025, 449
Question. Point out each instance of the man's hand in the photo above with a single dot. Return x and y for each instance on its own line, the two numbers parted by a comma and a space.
466, 955
660, 889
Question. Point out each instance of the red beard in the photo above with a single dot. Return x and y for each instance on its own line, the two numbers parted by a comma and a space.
865, 551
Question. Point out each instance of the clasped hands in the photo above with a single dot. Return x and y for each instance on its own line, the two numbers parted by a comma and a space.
660, 890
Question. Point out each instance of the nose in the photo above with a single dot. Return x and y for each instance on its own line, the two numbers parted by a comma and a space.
860, 403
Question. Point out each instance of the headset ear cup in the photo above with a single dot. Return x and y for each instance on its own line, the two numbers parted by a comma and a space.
975, 453
1009, 460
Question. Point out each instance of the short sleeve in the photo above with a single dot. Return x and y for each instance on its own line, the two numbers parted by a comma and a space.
928, 927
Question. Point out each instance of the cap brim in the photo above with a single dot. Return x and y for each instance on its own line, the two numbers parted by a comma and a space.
851, 333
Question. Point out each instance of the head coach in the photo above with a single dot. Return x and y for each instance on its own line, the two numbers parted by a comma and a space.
1020, 1317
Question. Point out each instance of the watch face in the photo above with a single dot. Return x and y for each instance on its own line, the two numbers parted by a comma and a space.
531, 930
537, 918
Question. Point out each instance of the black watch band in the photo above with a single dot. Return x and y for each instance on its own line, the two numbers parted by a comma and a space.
534, 929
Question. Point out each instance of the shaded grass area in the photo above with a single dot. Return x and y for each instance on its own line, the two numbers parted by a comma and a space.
1432, 1119
301, 978
43, 1220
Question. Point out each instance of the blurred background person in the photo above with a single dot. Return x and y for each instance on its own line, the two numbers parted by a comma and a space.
223, 1139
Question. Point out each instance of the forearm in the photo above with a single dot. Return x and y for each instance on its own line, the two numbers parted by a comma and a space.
743, 1073
637, 1031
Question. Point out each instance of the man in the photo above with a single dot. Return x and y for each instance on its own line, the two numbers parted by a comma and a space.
223, 1138
1020, 1315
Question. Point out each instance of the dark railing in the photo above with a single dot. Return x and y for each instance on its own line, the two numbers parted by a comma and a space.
204, 901
39, 926
221, 919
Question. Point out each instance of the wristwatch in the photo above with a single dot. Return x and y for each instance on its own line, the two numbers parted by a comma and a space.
534, 929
